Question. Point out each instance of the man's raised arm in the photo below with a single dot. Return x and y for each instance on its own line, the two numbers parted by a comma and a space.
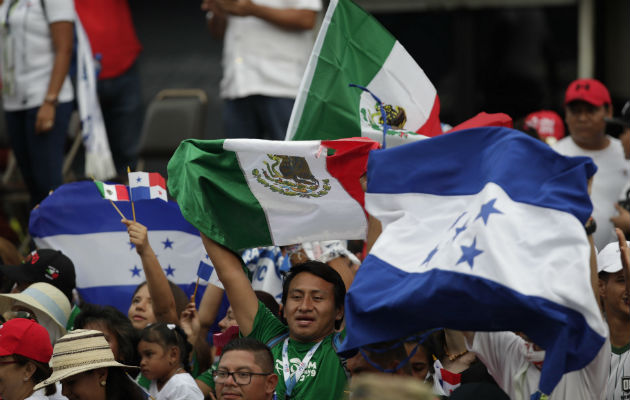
237, 286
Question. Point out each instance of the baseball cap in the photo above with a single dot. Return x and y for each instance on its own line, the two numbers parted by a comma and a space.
547, 124
589, 90
44, 265
26, 338
609, 258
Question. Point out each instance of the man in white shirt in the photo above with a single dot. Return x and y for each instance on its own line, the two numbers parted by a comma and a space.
614, 294
266, 46
587, 104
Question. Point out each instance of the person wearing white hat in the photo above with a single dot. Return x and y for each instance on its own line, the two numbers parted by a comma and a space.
616, 304
41, 302
84, 363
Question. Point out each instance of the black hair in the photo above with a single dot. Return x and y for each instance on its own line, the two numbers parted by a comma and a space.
42, 372
269, 301
167, 335
117, 323
262, 354
121, 386
181, 299
323, 271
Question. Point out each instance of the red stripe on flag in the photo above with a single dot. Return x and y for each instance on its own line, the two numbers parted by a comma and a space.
155, 179
122, 193
349, 163
432, 126
450, 377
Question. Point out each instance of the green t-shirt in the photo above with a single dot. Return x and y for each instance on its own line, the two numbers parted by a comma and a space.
206, 376
324, 376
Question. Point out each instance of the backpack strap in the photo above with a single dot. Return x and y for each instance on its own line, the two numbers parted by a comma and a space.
274, 341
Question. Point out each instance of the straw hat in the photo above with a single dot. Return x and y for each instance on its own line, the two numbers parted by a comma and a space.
79, 351
48, 303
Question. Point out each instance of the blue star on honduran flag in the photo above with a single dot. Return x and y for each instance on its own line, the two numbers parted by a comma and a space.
75, 220
520, 259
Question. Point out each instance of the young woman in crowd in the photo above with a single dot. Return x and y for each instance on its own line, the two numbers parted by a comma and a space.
116, 327
164, 352
85, 365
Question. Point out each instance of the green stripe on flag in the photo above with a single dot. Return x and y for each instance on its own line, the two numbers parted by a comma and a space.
354, 49
213, 195
101, 189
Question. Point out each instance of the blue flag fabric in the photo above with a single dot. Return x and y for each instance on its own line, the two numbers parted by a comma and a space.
483, 231
76, 220
204, 271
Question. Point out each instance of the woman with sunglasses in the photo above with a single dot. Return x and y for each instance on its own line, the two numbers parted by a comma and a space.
25, 350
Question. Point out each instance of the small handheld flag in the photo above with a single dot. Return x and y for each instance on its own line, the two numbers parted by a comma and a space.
204, 271
147, 185
112, 192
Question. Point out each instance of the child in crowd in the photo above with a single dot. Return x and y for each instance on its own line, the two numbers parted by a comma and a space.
164, 353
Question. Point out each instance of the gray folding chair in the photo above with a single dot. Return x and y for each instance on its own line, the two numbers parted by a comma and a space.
172, 116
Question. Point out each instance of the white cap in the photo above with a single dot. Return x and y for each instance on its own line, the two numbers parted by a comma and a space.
609, 259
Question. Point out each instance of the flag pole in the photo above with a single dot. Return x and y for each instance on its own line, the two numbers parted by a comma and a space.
112, 203
133, 208
117, 209
192, 298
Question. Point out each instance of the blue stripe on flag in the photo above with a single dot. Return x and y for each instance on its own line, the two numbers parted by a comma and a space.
140, 193
381, 308
463, 162
91, 214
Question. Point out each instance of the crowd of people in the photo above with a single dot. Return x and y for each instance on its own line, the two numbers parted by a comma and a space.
54, 345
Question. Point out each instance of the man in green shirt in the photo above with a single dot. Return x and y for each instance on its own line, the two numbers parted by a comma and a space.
304, 349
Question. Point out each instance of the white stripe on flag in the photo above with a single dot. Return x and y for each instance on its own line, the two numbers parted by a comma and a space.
505, 241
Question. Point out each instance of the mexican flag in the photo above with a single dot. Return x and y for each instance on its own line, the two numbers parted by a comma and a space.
353, 48
112, 192
246, 193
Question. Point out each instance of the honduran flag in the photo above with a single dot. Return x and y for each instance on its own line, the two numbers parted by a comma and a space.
353, 48
483, 230
247, 193
76, 220
146, 186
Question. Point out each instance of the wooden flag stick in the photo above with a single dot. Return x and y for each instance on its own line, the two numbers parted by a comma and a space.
192, 298
118, 209
133, 208
112, 203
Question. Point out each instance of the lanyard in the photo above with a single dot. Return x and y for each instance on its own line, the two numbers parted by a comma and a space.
291, 379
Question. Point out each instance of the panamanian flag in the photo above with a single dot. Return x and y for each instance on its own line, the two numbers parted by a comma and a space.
482, 231
76, 220
147, 186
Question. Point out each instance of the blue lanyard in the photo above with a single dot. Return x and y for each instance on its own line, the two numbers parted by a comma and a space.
291, 379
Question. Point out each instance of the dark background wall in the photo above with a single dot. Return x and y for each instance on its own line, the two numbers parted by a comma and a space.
512, 60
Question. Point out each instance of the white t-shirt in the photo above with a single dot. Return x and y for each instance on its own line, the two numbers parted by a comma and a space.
503, 353
40, 394
27, 51
179, 387
611, 177
262, 58
618, 387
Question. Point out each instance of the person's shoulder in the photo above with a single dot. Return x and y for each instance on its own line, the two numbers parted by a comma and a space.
564, 145
183, 385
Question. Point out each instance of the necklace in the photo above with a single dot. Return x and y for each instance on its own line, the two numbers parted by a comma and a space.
453, 357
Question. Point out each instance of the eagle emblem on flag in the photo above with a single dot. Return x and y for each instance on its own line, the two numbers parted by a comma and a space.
290, 176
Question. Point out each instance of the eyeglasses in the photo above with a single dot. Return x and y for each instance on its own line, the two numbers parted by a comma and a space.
240, 377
